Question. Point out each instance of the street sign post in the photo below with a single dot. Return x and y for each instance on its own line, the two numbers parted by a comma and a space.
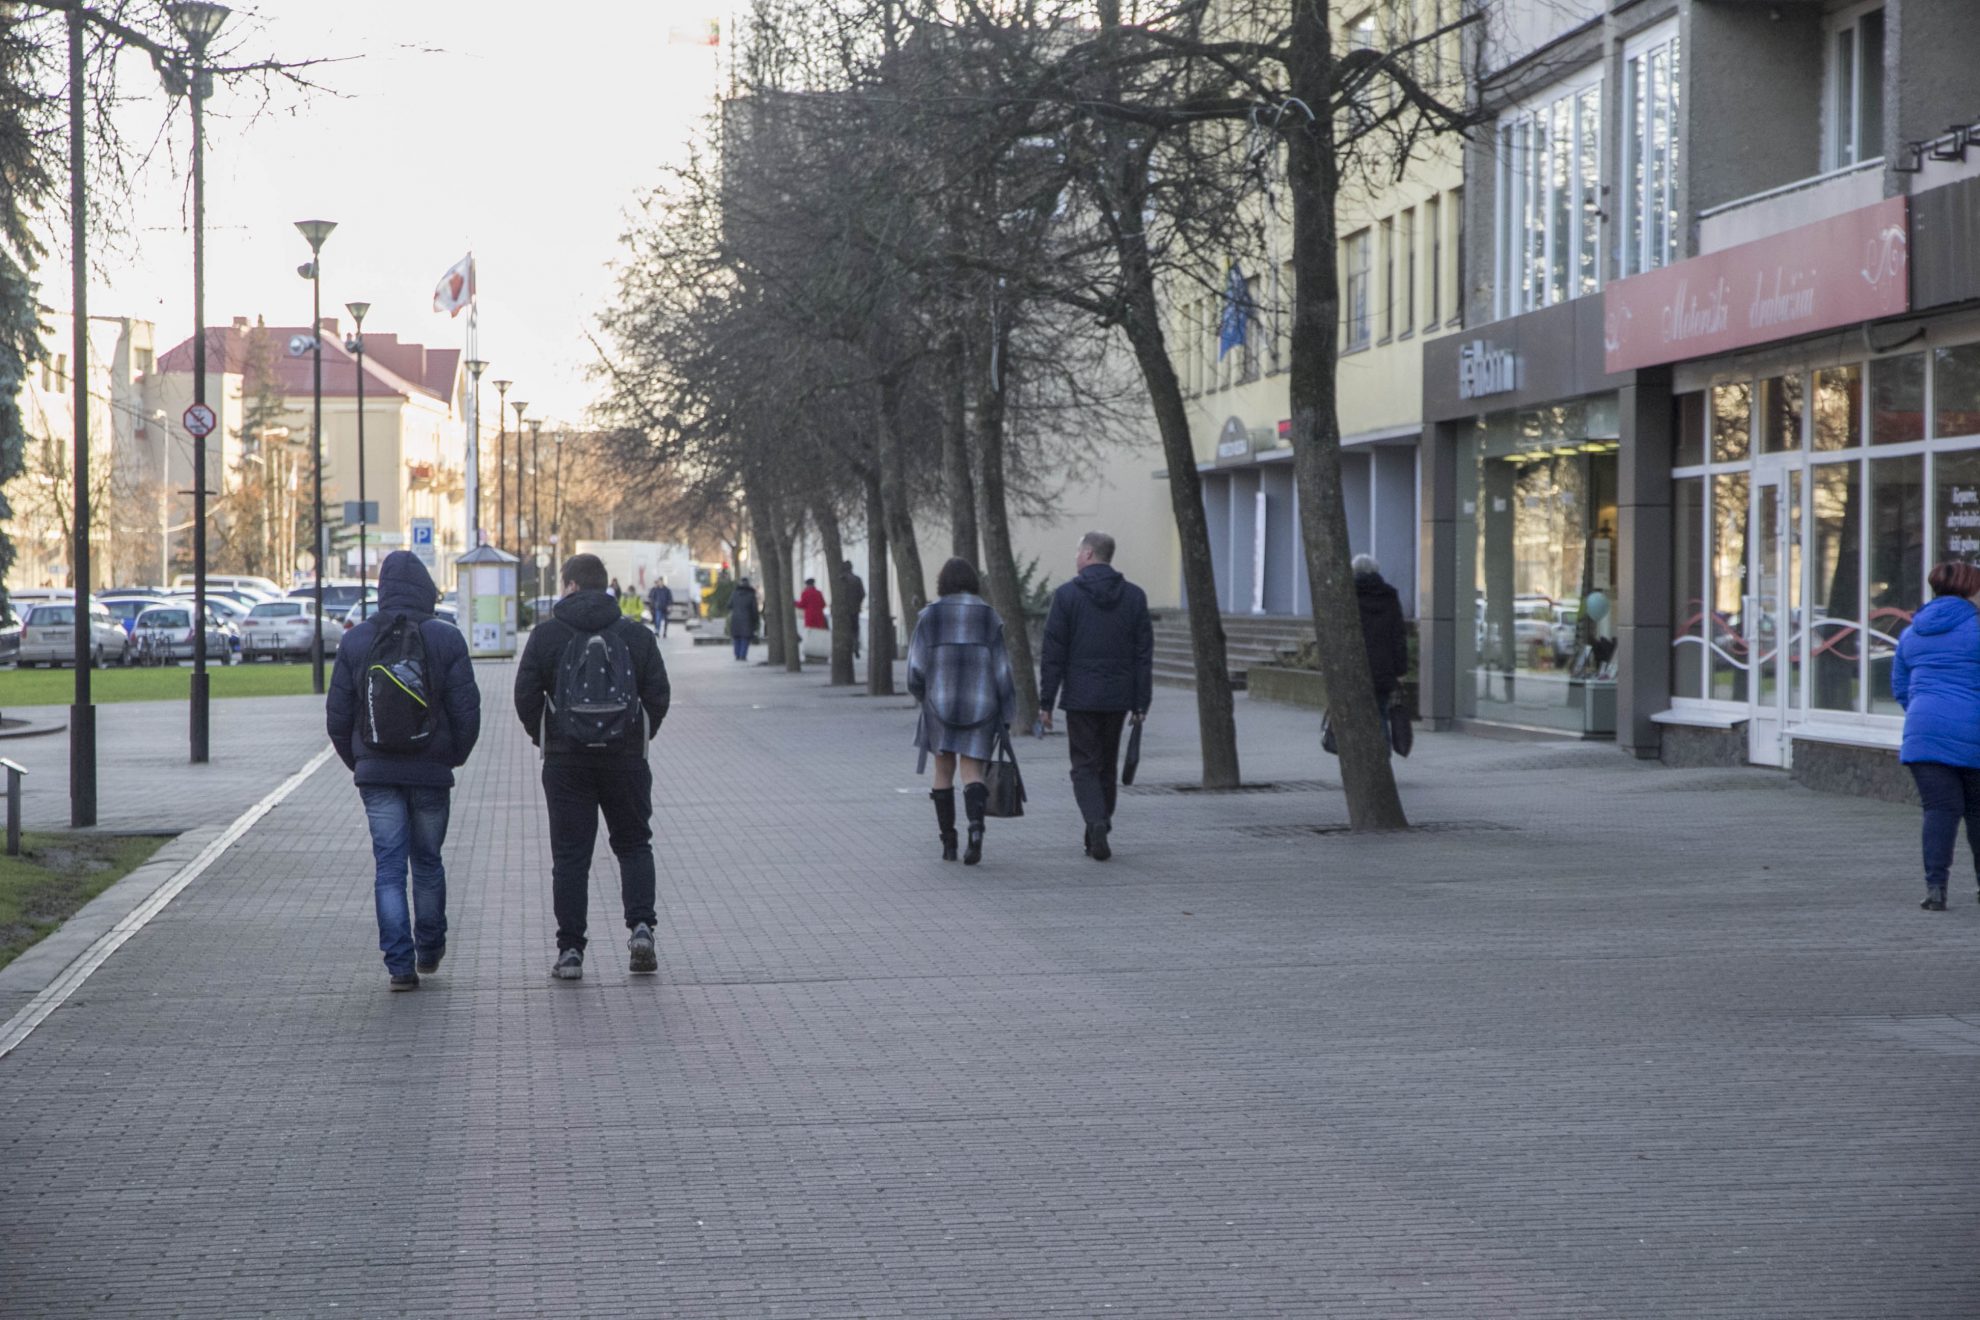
422, 541
199, 421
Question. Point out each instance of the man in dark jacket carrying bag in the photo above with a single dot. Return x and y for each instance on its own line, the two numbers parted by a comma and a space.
404, 713
591, 689
1098, 663
1387, 636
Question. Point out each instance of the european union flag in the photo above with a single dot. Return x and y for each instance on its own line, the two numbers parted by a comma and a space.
1234, 325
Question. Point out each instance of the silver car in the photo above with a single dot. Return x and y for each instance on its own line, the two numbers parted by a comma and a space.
48, 635
169, 628
286, 628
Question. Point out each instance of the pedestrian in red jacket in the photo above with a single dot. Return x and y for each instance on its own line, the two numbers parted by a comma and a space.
812, 602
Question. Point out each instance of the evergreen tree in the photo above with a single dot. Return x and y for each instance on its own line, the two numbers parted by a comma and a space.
26, 189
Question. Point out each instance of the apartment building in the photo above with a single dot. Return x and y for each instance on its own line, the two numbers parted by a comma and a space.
1399, 264
123, 484
415, 446
1718, 407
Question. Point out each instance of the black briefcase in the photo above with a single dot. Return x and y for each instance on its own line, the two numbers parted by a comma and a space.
1132, 761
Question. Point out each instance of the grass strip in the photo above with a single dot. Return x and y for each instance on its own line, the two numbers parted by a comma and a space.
56, 687
55, 875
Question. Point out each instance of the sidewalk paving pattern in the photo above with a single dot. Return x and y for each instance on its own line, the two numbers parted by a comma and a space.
1607, 1039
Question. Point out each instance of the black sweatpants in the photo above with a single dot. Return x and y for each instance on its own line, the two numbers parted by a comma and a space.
577, 789
1094, 738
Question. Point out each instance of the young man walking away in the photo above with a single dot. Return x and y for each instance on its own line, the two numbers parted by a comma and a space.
591, 690
404, 713
1098, 663
661, 600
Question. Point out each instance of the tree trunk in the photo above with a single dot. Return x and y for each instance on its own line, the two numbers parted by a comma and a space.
879, 597
1313, 181
955, 450
787, 602
894, 501
1000, 575
1215, 718
762, 533
845, 622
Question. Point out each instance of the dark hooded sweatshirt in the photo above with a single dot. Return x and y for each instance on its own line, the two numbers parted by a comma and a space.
405, 587
1383, 628
578, 614
1099, 651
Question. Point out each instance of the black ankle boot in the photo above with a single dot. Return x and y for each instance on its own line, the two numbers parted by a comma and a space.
1935, 900
975, 798
945, 819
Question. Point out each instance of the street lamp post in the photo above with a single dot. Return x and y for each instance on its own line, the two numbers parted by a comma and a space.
557, 501
475, 367
198, 22
535, 494
82, 712
502, 460
315, 232
520, 408
355, 344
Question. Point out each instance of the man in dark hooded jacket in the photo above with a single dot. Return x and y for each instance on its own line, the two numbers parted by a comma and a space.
407, 794
743, 617
1383, 629
581, 782
1098, 664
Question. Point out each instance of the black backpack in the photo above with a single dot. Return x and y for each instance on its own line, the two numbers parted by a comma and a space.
396, 711
596, 701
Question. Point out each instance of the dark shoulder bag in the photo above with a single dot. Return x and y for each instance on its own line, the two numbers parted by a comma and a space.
1001, 777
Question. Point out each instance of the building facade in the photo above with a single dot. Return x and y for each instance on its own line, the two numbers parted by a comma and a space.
1719, 410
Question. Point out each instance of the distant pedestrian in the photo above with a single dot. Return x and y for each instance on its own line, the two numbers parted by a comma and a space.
1386, 633
817, 628
615, 590
855, 601
1098, 663
662, 601
960, 672
1936, 679
743, 616
592, 690
404, 713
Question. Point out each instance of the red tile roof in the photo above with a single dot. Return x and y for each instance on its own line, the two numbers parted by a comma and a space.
391, 367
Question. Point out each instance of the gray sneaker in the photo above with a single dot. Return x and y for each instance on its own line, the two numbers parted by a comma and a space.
570, 965
644, 959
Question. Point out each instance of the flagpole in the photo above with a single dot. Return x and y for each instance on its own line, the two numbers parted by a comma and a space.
473, 537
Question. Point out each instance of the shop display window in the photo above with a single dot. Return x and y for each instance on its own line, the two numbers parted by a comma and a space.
1726, 626
1956, 391
1835, 560
1780, 414
1896, 573
1688, 449
1838, 408
1689, 615
1897, 399
1732, 409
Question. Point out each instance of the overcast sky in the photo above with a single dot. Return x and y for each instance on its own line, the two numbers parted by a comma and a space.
522, 132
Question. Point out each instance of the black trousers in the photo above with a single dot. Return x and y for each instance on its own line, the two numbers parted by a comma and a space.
1094, 738
577, 789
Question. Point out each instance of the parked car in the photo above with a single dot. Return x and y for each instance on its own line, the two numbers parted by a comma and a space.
361, 610
288, 627
337, 596
261, 587
10, 636
170, 627
126, 608
48, 635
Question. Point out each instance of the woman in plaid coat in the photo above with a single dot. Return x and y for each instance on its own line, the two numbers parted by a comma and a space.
960, 672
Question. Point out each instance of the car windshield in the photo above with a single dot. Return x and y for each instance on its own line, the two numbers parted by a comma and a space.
277, 609
165, 619
52, 616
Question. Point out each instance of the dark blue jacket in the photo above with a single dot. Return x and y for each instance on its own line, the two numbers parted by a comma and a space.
1936, 678
405, 587
1099, 649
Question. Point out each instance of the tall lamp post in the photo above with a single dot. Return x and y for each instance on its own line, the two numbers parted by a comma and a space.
475, 366
535, 494
82, 712
355, 344
557, 501
502, 460
520, 408
314, 232
198, 22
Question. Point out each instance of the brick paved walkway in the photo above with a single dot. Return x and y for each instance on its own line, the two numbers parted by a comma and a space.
1610, 1040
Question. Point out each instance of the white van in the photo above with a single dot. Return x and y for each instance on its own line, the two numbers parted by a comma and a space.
230, 581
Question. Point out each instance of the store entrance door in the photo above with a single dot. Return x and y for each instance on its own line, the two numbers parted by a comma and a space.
1772, 613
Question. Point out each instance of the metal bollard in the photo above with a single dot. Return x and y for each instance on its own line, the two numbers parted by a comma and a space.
14, 773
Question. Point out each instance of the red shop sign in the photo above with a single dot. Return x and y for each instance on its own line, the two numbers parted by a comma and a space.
1849, 268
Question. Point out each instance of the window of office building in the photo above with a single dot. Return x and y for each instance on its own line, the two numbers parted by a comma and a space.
1433, 228
1650, 153
1354, 303
1805, 520
1408, 325
1388, 279
1550, 198
1856, 86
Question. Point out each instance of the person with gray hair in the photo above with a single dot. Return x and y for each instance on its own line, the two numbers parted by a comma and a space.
1098, 664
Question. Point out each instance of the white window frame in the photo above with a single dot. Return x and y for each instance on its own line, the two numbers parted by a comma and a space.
1637, 243
1842, 125
1358, 330
1526, 232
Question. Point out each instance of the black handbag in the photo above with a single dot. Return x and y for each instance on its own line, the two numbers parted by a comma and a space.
1132, 761
1005, 783
1402, 734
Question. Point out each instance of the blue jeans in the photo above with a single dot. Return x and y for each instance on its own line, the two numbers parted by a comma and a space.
408, 826
742, 647
1949, 794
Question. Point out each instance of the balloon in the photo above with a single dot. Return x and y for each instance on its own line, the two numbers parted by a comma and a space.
1596, 607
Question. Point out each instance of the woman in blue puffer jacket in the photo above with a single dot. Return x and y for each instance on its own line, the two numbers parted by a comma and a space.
1936, 678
